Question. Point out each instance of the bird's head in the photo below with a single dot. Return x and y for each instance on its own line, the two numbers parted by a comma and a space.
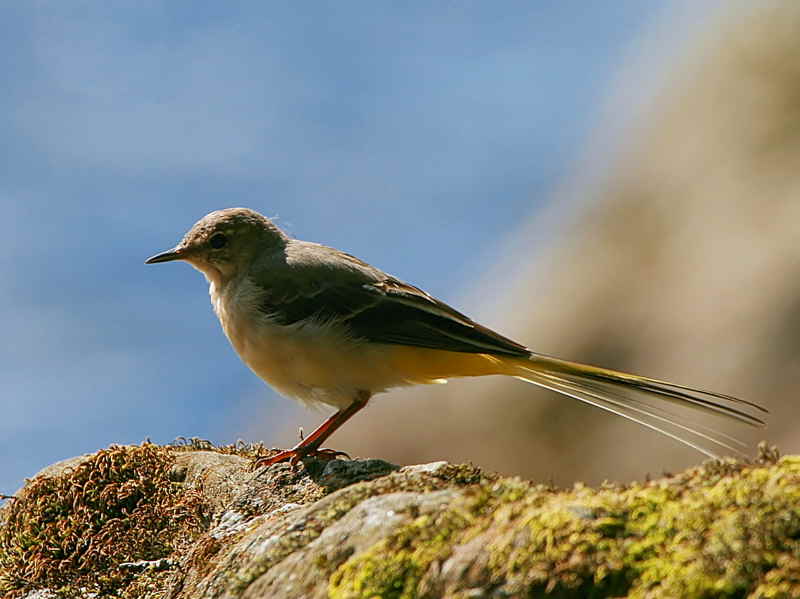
224, 243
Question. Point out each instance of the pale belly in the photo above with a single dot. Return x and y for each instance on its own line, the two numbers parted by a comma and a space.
311, 363
315, 365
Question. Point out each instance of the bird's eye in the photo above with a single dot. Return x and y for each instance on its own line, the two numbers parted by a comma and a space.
218, 241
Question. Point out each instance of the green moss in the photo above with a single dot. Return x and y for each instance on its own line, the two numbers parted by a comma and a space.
395, 567
719, 536
722, 531
73, 529
336, 505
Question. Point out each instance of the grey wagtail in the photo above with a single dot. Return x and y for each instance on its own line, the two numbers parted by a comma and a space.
322, 326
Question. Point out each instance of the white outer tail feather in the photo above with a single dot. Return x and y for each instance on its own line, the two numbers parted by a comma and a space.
601, 388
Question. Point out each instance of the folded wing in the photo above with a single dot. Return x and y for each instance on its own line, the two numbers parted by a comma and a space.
387, 311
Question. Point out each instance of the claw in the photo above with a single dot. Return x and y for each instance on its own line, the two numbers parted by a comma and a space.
330, 454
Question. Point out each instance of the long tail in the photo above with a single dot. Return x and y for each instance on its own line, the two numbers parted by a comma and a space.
631, 396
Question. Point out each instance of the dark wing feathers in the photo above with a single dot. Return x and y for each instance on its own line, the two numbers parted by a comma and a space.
387, 311
322, 303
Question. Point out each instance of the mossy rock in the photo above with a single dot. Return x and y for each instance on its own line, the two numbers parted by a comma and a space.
198, 521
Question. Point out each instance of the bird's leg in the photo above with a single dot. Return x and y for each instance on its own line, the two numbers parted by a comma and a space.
310, 446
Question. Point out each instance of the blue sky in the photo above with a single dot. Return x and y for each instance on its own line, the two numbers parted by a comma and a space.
415, 135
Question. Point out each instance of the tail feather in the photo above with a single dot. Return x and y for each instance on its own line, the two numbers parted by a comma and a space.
711, 401
624, 394
667, 415
624, 411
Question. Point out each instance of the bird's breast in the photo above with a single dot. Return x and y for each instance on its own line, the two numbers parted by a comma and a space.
310, 361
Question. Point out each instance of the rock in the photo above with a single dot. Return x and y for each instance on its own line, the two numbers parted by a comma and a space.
339, 473
366, 528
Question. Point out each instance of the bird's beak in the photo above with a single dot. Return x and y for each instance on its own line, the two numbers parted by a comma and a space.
168, 256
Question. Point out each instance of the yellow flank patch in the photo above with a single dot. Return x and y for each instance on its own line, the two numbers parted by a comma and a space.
423, 365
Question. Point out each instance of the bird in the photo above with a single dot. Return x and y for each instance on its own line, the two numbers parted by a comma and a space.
324, 327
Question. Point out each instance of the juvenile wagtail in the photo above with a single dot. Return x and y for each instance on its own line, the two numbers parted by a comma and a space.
322, 326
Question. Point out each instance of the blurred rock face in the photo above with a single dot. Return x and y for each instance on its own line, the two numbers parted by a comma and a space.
684, 264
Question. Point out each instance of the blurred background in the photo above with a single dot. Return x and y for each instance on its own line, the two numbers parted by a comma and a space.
610, 182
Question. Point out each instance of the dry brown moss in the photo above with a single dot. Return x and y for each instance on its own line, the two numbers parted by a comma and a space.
243, 449
72, 530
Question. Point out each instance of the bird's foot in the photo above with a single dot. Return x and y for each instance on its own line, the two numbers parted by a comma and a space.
293, 456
